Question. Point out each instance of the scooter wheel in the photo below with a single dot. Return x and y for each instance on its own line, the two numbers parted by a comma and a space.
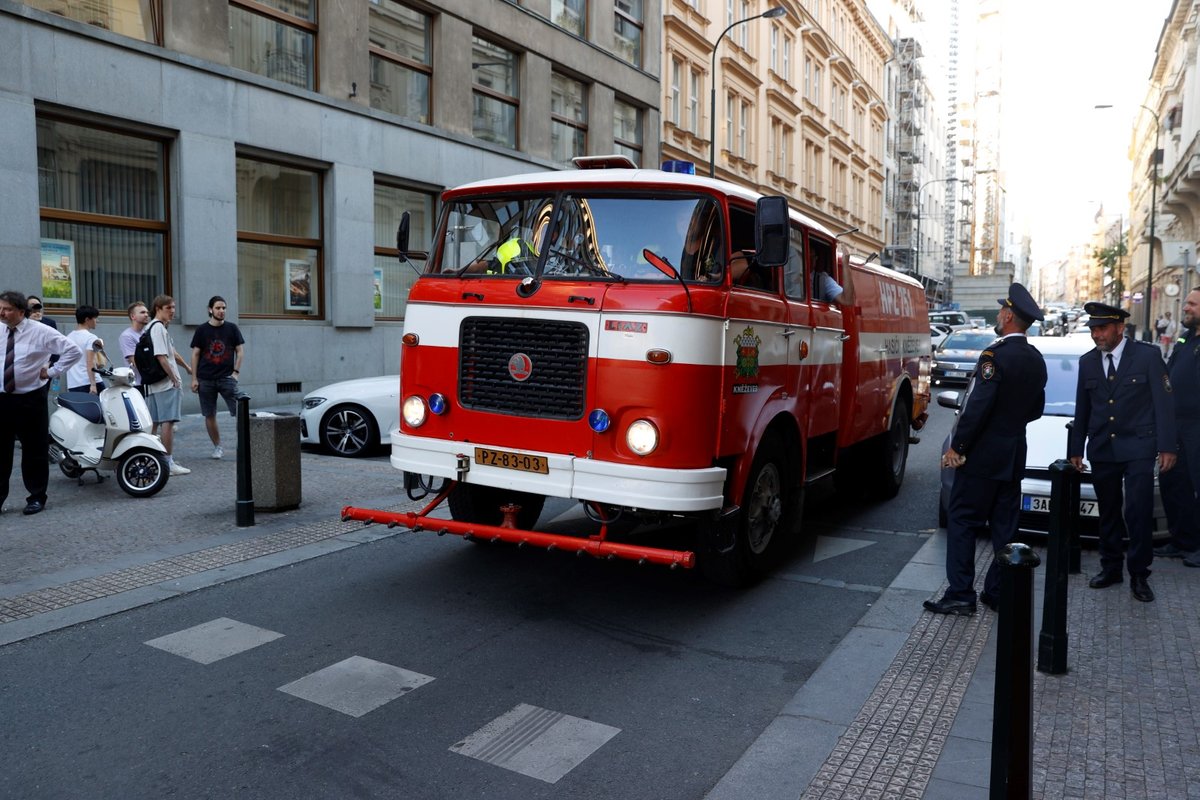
70, 468
142, 473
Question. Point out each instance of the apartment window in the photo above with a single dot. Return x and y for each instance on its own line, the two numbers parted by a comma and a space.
730, 115
744, 32
103, 208
278, 239
495, 93
808, 65
743, 130
673, 102
393, 279
694, 102
568, 117
276, 39
774, 55
627, 28
569, 15
818, 78
781, 144
400, 60
627, 130
787, 59
137, 19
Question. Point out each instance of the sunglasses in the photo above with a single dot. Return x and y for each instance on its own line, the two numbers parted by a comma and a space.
36, 307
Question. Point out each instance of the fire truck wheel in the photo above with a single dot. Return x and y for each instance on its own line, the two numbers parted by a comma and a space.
891, 455
470, 502
770, 505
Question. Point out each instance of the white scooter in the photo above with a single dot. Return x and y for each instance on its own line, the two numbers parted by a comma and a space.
109, 431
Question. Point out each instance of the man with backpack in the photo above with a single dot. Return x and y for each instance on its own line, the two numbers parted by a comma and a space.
163, 392
139, 316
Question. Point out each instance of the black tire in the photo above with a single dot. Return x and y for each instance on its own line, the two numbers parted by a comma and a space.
349, 431
471, 502
890, 457
142, 473
764, 528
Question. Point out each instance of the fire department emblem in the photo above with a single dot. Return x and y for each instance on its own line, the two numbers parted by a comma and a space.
988, 370
520, 367
747, 343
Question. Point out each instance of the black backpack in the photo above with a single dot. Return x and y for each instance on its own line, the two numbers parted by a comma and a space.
148, 366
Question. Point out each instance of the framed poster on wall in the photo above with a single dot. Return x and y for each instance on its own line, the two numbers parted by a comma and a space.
297, 274
378, 289
58, 272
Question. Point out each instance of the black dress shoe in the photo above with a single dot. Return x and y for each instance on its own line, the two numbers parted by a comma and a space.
1105, 579
1141, 588
34, 507
991, 601
961, 608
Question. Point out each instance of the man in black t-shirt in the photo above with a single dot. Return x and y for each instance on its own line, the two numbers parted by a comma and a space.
217, 350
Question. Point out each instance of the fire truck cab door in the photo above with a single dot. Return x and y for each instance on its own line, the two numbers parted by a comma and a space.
822, 368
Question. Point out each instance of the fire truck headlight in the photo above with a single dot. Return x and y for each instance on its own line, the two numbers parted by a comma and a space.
414, 411
642, 437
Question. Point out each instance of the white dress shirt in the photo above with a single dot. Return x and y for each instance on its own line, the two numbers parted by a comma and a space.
34, 343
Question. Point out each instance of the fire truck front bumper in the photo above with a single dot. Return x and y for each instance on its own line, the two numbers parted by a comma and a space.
626, 485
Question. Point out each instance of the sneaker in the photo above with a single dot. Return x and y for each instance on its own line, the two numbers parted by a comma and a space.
218, 452
176, 469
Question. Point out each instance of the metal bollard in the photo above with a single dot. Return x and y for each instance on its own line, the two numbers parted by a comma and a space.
1012, 708
1064, 516
245, 490
1074, 566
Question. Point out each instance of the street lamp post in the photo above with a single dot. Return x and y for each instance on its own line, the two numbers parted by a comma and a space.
770, 13
920, 193
1148, 329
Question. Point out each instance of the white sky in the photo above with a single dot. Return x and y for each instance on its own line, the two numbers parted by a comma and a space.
1061, 156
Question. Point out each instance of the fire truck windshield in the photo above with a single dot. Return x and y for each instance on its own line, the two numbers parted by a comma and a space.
572, 236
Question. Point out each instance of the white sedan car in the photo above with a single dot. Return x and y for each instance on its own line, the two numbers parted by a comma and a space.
352, 418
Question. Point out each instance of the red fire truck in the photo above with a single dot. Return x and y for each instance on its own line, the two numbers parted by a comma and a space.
653, 344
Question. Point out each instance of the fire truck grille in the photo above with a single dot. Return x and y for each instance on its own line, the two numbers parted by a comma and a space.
493, 352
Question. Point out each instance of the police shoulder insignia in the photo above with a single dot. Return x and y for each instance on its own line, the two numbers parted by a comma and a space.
987, 370
987, 354
1167, 383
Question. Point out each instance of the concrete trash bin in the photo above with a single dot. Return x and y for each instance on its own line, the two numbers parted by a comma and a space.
275, 461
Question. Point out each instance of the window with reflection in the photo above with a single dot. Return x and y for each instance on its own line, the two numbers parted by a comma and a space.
495, 94
276, 39
400, 60
279, 249
627, 130
568, 117
392, 278
102, 194
570, 15
627, 30
137, 19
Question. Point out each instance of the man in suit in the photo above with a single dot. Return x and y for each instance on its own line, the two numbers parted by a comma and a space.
987, 452
1123, 407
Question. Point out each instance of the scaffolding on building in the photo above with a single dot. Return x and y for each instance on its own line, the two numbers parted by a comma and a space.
908, 148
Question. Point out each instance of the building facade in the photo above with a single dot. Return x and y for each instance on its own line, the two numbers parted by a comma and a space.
264, 150
799, 104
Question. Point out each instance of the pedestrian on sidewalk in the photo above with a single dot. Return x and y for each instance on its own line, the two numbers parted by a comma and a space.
163, 397
24, 416
1123, 409
987, 452
217, 350
82, 377
36, 312
139, 316
1179, 486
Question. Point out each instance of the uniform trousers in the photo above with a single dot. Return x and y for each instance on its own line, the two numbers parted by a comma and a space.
1178, 488
1125, 491
978, 505
25, 417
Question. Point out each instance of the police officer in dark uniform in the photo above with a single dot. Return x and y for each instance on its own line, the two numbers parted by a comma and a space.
1123, 408
1179, 486
987, 450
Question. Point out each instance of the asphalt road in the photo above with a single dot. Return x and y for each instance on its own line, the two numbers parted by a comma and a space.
426, 667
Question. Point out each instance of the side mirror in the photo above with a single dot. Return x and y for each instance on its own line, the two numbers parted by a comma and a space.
950, 400
771, 220
402, 236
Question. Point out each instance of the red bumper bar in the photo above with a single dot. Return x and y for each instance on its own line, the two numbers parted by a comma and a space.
597, 546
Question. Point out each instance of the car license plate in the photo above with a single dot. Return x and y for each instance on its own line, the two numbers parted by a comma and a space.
507, 460
1038, 503
955, 374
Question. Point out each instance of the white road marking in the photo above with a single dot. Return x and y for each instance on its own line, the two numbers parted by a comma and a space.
215, 640
536, 742
356, 685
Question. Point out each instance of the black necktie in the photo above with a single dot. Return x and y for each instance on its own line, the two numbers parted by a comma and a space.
10, 358
1112, 370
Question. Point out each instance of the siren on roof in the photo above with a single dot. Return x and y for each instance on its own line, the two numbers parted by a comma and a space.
613, 161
